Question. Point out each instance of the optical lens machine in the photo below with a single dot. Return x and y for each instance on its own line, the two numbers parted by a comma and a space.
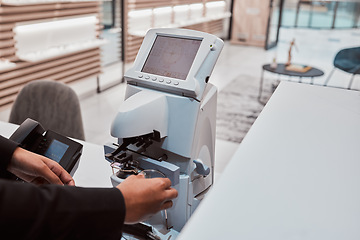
167, 122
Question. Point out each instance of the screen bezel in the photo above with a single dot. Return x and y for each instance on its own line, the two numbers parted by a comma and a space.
199, 73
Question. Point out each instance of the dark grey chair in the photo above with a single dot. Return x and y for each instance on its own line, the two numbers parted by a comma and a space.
53, 104
347, 60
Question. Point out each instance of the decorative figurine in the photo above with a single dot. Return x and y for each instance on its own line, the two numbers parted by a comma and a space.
292, 44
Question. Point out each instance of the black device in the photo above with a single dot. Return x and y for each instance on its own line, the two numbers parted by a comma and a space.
33, 137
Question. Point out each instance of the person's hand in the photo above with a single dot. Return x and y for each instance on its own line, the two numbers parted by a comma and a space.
38, 169
145, 197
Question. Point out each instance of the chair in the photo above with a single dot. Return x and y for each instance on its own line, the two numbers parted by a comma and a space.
347, 60
53, 104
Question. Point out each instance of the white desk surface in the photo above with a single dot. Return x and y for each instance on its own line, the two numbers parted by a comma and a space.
295, 176
93, 169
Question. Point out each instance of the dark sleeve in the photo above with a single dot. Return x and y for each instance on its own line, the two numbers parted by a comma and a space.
59, 212
7, 148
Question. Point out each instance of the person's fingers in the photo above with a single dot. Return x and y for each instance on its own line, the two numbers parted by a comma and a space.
49, 175
141, 174
165, 182
171, 193
59, 171
64, 176
71, 182
166, 205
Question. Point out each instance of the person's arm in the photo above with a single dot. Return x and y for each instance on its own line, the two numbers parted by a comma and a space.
7, 148
67, 212
52, 211
28, 211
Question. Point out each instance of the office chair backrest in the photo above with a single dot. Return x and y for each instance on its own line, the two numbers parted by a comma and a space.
53, 104
348, 60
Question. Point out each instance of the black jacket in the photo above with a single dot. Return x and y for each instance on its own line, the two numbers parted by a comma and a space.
28, 211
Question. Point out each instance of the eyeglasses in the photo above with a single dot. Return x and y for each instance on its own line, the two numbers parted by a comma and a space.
121, 167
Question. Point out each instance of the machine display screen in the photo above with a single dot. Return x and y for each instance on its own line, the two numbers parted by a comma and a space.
56, 150
171, 56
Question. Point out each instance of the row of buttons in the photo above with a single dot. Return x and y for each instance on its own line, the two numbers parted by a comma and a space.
168, 81
43, 146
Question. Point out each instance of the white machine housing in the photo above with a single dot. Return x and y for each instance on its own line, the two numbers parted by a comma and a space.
180, 106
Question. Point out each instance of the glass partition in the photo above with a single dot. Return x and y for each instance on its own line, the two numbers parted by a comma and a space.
321, 14
274, 22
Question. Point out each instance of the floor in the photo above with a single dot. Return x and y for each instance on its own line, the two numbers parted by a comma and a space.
313, 47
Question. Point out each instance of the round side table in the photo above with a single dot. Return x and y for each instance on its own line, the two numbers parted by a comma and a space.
280, 69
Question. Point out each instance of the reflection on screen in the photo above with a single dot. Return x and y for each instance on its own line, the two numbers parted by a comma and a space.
56, 150
171, 57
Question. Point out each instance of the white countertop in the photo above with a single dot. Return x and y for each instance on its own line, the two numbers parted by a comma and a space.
296, 175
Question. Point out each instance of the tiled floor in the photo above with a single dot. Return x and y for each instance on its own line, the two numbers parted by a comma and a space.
314, 47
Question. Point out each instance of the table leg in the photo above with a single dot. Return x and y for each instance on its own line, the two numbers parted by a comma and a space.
261, 85
300, 79
98, 84
312, 81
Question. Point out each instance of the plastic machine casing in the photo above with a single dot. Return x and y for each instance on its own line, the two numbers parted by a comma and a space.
183, 112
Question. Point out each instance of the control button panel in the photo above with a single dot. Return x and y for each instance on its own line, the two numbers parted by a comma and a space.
43, 145
160, 79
